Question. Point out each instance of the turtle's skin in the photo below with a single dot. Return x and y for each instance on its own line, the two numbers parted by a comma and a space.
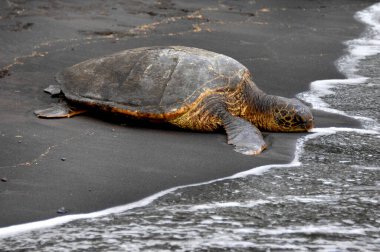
188, 87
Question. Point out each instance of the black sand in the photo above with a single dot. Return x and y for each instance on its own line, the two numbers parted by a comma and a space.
92, 162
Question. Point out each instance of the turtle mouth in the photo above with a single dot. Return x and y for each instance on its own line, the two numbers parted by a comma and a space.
309, 124
305, 126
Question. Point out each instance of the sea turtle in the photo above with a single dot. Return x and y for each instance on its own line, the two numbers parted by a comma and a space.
189, 87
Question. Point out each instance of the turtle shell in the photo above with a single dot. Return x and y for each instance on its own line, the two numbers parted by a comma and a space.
150, 82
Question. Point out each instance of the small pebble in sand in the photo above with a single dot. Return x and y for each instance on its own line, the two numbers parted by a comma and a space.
62, 210
4, 179
63, 159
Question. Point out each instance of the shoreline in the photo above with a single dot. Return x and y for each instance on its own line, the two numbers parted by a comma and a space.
49, 183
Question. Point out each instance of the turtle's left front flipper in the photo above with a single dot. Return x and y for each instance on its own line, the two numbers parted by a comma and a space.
60, 110
245, 136
241, 133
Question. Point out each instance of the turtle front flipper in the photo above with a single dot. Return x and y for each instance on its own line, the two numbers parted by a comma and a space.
246, 138
60, 110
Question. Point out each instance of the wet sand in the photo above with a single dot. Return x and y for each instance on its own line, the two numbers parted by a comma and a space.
93, 161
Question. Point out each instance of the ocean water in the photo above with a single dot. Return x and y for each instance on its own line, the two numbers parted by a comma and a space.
327, 199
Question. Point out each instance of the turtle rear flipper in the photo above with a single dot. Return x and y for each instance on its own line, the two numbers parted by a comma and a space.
54, 90
60, 110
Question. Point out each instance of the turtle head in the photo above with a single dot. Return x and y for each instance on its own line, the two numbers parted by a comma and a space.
291, 115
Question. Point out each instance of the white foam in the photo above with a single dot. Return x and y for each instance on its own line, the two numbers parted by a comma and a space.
247, 204
321, 88
333, 130
374, 168
325, 199
357, 50
314, 229
367, 45
270, 200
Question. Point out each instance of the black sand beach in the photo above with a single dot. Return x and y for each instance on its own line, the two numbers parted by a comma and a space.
92, 162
